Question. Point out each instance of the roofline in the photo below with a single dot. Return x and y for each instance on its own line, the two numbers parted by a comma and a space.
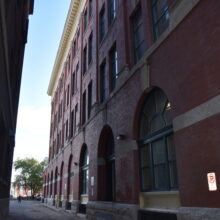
68, 32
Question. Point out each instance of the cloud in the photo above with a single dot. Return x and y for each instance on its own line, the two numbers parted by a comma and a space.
32, 135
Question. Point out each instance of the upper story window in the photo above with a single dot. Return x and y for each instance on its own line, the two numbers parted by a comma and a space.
103, 84
138, 34
90, 7
157, 151
89, 98
160, 16
84, 59
102, 24
112, 10
73, 81
90, 49
74, 48
84, 108
113, 66
85, 19
78, 39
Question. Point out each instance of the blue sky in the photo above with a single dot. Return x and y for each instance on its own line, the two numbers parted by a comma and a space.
44, 34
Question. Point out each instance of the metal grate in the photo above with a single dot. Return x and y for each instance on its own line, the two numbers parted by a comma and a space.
82, 208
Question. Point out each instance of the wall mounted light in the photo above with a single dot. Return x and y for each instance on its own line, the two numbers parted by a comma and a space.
120, 137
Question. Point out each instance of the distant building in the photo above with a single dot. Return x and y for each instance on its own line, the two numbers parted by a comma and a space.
13, 37
135, 111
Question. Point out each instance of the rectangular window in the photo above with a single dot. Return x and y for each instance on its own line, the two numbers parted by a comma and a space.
113, 66
77, 70
85, 19
76, 110
74, 48
71, 123
68, 95
66, 129
90, 49
112, 10
161, 16
78, 39
84, 108
138, 34
84, 59
103, 84
69, 63
89, 98
102, 24
73, 84
90, 7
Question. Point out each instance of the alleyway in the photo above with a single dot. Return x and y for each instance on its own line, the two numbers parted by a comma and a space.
30, 210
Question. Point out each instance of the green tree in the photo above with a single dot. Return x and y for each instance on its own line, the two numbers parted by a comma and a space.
31, 174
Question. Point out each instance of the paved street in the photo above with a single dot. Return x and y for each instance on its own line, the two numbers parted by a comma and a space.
30, 210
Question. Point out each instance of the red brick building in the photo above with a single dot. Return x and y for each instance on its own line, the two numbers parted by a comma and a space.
135, 110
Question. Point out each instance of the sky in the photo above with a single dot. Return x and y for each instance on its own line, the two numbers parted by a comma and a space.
44, 34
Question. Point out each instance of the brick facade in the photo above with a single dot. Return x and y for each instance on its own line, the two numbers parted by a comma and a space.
182, 62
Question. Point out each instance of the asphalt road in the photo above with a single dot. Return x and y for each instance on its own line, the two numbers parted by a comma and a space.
32, 210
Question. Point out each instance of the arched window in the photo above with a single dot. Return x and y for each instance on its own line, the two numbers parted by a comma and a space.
157, 152
70, 173
48, 183
84, 171
55, 181
61, 180
51, 184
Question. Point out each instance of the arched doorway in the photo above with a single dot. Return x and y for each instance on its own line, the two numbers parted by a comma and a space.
69, 185
55, 182
106, 168
61, 186
51, 185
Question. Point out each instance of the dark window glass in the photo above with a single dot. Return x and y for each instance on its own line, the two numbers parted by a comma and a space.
85, 19
74, 48
138, 34
78, 39
157, 152
102, 24
103, 84
113, 64
161, 16
90, 7
68, 95
89, 99
76, 110
90, 49
51, 184
112, 10
84, 60
72, 123
110, 167
66, 129
85, 172
84, 108
73, 83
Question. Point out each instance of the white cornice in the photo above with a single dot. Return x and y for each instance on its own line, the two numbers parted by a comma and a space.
71, 24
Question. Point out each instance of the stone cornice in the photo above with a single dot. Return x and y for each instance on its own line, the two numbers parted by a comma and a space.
71, 24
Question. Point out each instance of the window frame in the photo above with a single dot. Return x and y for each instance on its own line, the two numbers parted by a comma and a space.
146, 143
155, 21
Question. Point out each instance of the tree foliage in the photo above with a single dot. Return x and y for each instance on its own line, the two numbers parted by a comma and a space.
31, 174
